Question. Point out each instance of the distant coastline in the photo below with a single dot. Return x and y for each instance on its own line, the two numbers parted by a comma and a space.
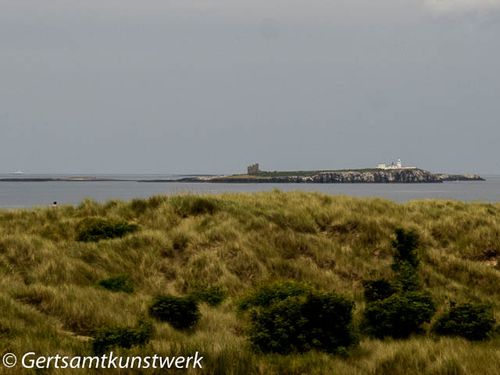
59, 179
394, 173
368, 175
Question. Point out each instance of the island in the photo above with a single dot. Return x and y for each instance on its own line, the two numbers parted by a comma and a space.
383, 173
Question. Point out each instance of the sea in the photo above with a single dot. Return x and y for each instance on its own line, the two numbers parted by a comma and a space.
27, 194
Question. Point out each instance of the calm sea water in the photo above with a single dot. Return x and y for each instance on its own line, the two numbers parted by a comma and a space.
29, 194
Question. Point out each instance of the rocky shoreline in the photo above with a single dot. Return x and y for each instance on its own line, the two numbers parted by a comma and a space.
409, 176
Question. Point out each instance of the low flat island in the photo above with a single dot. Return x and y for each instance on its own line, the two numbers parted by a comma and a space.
393, 173
347, 176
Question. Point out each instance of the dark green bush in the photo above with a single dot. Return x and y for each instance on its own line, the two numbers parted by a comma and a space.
94, 229
405, 244
192, 205
280, 328
180, 312
268, 294
472, 321
108, 338
302, 323
213, 295
330, 321
407, 278
399, 315
376, 290
121, 283
405, 263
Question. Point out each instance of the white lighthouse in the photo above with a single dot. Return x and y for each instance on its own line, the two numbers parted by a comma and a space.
396, 165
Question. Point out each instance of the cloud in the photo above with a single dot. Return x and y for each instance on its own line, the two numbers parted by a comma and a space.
462, 6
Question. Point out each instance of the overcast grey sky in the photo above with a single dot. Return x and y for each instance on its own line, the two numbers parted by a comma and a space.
194, 86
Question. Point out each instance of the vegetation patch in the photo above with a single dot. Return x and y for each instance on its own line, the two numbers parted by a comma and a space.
121, 283
94, 229
401, 311
193, 205
213, 295
140, 206
377, 290
405, 244
126, 338
295, 319
471, 321
399, 315
180, 312
266, 295
51, 300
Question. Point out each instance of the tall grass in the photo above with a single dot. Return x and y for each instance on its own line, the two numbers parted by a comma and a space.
51, 301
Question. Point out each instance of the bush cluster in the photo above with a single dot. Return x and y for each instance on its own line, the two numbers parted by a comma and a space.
405, 244
121, 283
399, 315
288, 318
406, 260
400, 309
471, 321
126, 338
180, 312
94, 229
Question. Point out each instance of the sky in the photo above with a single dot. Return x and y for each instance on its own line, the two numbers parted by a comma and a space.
210, 86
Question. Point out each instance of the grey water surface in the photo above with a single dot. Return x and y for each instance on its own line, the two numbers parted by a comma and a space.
25, 194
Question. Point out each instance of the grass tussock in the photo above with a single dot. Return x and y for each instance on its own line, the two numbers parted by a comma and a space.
59, 291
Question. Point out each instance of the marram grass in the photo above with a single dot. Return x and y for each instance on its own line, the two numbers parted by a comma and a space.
51, 301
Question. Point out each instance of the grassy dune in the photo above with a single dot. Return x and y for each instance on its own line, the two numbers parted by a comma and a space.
50, 300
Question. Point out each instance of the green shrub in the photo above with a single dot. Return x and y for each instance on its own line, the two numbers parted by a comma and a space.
192, 205
213, 295
268, 294
108, 338
376, 290
302, 323
405, 244
405, 263
399, 315
330, 321
472, 321
94, 229
280, 328
120, 283
180, 312
407, 278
